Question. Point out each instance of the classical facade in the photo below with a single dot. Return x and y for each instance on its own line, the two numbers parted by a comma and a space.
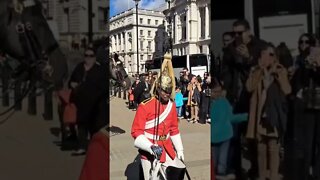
71, 20
123, 37
190, 22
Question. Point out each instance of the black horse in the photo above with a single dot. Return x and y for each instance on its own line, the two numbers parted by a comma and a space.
25, 36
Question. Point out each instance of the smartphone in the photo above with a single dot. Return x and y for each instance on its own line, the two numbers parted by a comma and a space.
238, 41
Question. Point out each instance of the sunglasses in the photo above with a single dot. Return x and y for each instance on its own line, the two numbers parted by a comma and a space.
306, 41
238, 32
89, 55
271, 54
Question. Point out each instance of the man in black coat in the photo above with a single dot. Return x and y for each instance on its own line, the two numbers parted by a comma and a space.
238, 58
142, 91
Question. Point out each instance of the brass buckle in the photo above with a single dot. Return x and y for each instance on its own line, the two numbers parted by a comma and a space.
162, 138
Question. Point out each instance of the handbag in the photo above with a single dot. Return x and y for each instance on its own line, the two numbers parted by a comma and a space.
70, 109
311, 96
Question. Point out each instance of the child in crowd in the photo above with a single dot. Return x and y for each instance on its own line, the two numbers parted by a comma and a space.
222, 117
179, 102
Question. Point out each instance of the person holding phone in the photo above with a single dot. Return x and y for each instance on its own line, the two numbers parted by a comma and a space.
238, 58
269, 85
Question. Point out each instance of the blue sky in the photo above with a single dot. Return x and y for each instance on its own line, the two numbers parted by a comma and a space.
118, 6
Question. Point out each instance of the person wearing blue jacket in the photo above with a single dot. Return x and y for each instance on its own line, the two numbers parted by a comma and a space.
179, 102
222, 117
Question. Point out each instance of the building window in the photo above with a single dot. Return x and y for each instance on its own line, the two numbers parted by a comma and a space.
149, 45
149, 57
184, 33
201, 49
149, 33
141, 32
184, 28
156, 22
141, 57
141, 45
203, 22
119, 37
124, 38
149, 21
141, 20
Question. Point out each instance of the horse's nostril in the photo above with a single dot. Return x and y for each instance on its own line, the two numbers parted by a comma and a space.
28, 26
20, 28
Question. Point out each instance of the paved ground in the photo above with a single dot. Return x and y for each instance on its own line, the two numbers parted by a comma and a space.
124, 162
29, 150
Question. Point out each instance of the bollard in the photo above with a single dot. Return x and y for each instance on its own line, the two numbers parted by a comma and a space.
5, 91
124, 94
5, 86
119, 92
32, 102
48, 112
17, 96
114, 91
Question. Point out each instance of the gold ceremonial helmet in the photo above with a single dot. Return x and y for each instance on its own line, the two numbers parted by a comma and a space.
165, 80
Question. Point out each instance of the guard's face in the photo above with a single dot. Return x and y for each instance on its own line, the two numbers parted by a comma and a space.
165, 95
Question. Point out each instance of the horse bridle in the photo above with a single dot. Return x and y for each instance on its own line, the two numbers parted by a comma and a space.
29, 43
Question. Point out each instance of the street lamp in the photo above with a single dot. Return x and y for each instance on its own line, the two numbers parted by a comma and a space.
170, 25
137, 4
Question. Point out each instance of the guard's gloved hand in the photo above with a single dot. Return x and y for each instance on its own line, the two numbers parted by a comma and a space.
177, 142
143, 143
180, 155
157, 151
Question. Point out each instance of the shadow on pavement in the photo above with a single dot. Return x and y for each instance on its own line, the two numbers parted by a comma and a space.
134, 170
55, 131
114, 130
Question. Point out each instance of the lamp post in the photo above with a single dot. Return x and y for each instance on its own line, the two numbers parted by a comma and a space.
137, 4
170, 26
90, 16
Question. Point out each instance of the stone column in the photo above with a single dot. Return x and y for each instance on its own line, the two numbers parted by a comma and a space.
207, 24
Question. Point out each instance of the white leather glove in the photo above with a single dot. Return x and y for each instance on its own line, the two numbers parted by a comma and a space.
176, 140
143, 143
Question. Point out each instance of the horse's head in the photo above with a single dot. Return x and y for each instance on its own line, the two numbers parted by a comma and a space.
25, 35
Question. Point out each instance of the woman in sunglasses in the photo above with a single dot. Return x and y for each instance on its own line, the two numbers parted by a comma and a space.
306, 117
306, 41
88, 85
268, 84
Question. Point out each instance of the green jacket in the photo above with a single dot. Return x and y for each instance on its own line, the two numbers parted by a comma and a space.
222, 118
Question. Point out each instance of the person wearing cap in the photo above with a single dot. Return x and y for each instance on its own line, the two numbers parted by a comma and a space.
155, 128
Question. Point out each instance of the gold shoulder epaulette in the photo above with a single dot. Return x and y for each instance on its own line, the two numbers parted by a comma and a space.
146, 101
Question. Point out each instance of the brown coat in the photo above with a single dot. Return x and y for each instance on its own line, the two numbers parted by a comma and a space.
190, 88
254, 85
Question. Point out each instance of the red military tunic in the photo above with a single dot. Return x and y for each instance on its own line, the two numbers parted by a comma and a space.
96, 164
143, 124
